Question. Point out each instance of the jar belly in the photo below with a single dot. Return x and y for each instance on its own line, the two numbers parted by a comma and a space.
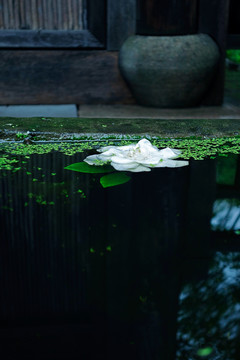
169, 71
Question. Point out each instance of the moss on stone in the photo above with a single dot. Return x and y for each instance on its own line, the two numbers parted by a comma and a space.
94, 129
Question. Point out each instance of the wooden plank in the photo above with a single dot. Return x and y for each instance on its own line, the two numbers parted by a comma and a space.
64, 15
61, 77
48, 39
11, 14
5, 15
81, 10
121, 22
16, 12
1, 15
96, 18
45, 14
28, 14
59, 15
34, 13
75, 14
55, 13
213, 20
167, 17
70, 15
22, 15
40, 14
50, 14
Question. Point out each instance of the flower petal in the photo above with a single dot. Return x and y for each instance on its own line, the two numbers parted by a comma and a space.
121, 167
137, 157
146, 144
122, 164
111, 147
168, 153
92, 159
123, 161
140, 168
154, 159
172, 163
111, 152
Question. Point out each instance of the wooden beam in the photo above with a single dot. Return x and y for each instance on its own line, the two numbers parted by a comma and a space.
121, 21
96, 19
48, 39
166, 17
61, 77
213, 20
42, 14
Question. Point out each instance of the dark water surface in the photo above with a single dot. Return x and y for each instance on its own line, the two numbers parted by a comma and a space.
149, 269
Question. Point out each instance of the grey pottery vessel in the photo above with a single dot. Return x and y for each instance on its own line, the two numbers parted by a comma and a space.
169, 71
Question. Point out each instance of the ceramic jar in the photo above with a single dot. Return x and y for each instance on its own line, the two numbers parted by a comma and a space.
169, 71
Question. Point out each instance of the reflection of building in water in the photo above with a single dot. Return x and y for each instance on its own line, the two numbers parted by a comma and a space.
125, 260
226, 215
209, 308
226, 209
225, 220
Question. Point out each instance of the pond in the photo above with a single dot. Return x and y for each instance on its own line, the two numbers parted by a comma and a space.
146, 269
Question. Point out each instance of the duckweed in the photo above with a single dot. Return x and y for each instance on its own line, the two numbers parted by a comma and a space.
6, 163
195, 148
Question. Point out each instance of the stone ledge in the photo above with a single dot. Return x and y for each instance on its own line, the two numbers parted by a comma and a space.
226, 111
57, 129
38, 110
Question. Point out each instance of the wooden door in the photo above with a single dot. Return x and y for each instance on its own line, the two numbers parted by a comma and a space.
66, 51
63, 51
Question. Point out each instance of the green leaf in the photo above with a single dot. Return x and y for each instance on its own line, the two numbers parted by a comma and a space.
114, 179
90, 169
205, 351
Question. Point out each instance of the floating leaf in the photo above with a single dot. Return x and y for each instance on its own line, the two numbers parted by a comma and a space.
114, 179
205, 351
90, 169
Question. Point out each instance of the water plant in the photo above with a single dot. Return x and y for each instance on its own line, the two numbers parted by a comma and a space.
134, 158
234, 55
137, 157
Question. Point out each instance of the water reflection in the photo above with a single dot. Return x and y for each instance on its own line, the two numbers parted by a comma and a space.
226, 214
143, 267
209, 311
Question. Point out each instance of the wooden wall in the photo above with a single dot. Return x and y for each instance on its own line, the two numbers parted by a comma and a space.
52, 77
167, 17
61, 77
41, 14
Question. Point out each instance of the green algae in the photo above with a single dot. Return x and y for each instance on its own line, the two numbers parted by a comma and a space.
204, 352
192, 148
199, 149
234, 55
7, 163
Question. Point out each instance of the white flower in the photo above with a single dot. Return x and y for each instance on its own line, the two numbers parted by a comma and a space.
137, 157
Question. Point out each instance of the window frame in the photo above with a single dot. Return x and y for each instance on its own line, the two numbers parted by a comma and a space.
92, 37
